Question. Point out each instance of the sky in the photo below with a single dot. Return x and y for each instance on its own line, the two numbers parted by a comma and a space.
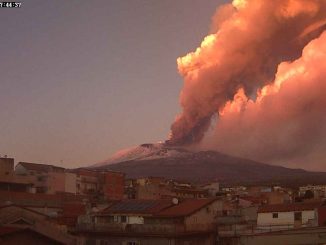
82, 79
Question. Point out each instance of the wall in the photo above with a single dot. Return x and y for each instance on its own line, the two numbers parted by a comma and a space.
284, 218
152, 191
294, 237
135, 220
6, 166
204, 216
114, 183
55, 182
87, 181
70, 183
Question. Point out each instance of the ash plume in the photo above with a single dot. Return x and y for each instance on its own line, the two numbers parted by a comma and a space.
250, 38
286, 122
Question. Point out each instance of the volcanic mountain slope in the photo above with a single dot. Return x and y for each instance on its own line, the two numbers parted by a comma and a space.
175, 163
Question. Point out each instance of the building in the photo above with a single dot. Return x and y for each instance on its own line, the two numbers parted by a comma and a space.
21, 225
112, 184
288, 216
16, 183
302, 236
11, 182
316, 190
70, 183
189, 192
48, 179
152, 188
147, 222
87, 181
6, 166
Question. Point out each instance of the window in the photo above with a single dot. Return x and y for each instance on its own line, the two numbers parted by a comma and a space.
123, 219
275, 215
298, 216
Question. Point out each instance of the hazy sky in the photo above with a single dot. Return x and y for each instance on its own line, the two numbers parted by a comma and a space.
82, 79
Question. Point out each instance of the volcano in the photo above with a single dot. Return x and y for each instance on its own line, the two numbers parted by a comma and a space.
162, 160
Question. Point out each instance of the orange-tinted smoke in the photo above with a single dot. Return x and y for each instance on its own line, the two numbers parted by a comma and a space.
286, 122
250, 38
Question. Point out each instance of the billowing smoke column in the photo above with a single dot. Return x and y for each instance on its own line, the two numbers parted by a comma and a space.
286, 122
250, 39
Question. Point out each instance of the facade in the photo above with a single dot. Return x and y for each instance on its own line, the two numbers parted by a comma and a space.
303, 236
189, 221
153, 191
191, 192
16, 183
87, 182
277, 197
287, 216
70, 183
46, 178
108, 185
6, 166
113, 184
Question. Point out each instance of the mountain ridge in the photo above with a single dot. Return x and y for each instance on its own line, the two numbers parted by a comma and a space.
181, 164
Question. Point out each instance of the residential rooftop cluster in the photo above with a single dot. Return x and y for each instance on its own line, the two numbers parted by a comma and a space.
46, 204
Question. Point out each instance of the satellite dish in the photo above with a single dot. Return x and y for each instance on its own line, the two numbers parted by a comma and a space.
175, 201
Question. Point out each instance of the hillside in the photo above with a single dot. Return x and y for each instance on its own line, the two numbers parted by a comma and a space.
205, 166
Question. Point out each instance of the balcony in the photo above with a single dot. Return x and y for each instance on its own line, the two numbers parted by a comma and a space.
146, 229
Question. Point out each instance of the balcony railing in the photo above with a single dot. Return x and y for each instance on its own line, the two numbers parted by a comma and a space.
146, 228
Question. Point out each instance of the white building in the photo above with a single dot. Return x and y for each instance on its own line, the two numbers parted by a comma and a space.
287, 216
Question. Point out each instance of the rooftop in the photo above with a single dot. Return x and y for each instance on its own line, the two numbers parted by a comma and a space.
39, 167
185, 207
138, 206
289, 207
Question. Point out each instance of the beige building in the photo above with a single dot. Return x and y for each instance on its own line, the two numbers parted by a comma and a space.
48, 179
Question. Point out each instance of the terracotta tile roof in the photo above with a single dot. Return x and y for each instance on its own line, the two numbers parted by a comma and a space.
158, 208
185, 207
37, 199
70, 213
254, 200
138, 206
73, 209
289, 207
4, 230
39, 167
23, 207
